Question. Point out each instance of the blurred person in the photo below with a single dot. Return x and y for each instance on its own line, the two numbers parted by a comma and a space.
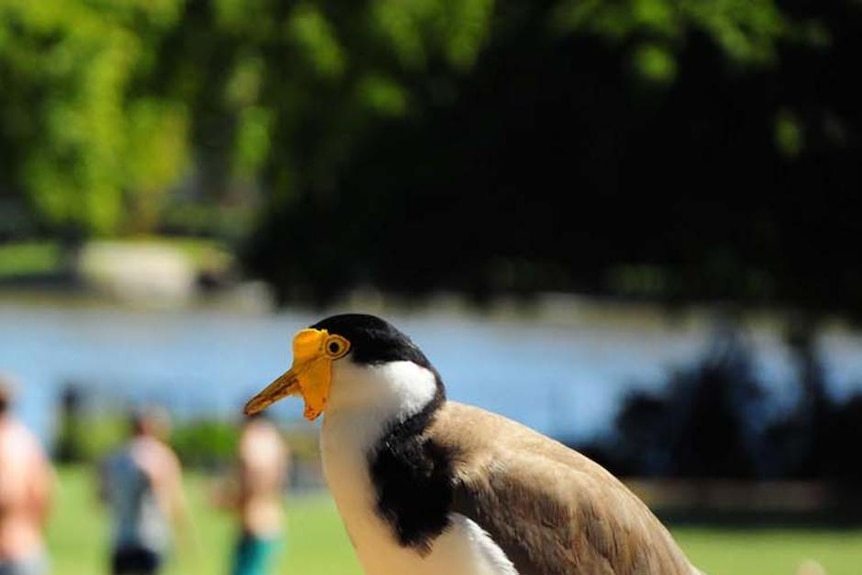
257, 493
26, 477
141, 483
810, 567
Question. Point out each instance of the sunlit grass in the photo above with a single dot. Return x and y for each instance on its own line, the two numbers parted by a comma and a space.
771, 551
29, 258
316, 543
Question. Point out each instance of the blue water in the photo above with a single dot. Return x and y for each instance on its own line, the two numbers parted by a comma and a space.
565, 378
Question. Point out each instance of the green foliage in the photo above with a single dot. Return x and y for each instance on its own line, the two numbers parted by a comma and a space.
654, 62
587, 143
87, 439
788, 133
156, 154
315, 39
420, 29
29, 258
205, 443
747, 31
383, 96
105, 102
84, 136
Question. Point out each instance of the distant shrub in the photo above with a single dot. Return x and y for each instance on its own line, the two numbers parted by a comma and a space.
87, 439
208, 443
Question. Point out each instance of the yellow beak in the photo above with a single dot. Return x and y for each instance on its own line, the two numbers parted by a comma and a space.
314, 350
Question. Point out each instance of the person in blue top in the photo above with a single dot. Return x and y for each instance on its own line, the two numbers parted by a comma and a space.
141, 483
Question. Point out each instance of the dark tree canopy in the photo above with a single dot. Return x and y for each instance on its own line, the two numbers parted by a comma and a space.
554, 165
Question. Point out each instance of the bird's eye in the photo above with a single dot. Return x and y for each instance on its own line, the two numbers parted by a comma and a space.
337, 347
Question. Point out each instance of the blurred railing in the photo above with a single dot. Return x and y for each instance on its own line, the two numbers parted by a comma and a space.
751, 502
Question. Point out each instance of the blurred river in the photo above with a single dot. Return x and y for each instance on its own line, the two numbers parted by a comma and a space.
562, 372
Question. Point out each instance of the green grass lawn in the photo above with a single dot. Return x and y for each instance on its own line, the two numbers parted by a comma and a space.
771, 551
317, 544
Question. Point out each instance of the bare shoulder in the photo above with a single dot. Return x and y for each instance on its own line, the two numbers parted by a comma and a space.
157, 458
18, 436
170, 457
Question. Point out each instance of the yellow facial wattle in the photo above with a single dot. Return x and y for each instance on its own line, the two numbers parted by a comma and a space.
314, 350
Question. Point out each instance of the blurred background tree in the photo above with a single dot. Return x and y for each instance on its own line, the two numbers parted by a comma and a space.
645, 148
89, 150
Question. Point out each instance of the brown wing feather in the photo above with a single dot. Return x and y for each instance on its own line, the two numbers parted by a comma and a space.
552, 510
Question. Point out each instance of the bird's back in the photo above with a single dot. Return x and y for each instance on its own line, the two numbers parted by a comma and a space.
552, 510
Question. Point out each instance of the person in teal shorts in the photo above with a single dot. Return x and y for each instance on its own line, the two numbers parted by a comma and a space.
257, 494
254, 554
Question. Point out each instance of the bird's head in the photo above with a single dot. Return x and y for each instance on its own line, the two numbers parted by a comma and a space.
352, 359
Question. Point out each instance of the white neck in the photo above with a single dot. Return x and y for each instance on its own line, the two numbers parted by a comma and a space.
377, 395
364, 401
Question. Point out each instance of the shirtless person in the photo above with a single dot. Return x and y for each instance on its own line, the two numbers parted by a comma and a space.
257, 495
142, 484
25, 486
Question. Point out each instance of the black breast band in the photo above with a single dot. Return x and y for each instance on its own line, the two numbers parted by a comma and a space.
412, 477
